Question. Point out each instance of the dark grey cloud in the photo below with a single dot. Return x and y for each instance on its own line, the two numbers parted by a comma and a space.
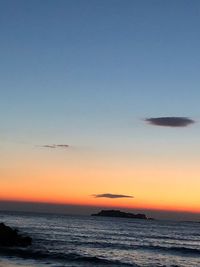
170, 121
64, 146
108, 195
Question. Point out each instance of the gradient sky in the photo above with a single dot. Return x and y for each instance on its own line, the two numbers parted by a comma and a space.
87, 74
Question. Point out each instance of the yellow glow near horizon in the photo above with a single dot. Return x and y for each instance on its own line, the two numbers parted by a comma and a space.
71, 180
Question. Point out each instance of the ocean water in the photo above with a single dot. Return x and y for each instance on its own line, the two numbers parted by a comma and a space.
61, 240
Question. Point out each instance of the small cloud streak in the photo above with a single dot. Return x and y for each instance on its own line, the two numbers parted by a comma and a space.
170, 121
64, 146
108, 195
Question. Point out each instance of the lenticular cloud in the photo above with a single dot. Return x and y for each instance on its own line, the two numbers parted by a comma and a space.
170, 121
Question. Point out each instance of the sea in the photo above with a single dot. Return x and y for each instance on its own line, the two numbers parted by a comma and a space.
86, 241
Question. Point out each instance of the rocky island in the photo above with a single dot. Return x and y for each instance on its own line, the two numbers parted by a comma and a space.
120, 214
10, 237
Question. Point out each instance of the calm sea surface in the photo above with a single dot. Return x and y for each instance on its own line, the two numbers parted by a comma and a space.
60, 240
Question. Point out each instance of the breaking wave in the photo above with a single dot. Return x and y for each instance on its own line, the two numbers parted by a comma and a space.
40, 255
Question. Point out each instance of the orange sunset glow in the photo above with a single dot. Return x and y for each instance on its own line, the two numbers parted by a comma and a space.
160, 186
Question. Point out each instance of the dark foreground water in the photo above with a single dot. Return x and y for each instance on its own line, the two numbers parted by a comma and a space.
92, 241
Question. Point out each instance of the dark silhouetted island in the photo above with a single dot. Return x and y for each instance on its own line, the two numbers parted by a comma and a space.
10, 237
120, 214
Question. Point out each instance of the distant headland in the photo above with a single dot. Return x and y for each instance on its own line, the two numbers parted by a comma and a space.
120, 214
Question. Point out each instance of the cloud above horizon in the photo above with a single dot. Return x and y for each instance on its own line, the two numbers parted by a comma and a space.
64, 146
170, 121
108, 195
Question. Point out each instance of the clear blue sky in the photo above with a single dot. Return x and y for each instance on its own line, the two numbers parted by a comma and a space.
86, 65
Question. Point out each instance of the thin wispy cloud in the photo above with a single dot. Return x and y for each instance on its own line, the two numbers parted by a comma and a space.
170, 121
54, 146
108, 195
62, 146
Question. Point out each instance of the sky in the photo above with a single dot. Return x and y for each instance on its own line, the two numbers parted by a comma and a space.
99, 103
